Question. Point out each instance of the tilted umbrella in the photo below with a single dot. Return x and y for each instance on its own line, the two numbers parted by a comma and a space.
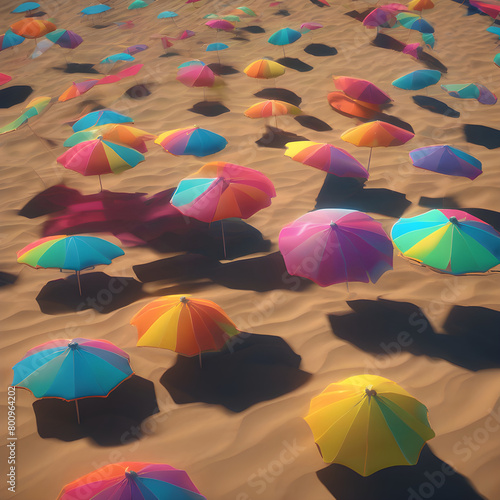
420, 5
100, 117
77, 89
137, 4
72, 369
471, 91
360, 89
196, 75
10, 39
121, 56
326, 157
331, 246
95, 9
220, 25
446, 160
414, 22
376, 134
4, 78
368, 423
132, 481
31, 27
183, 324
34, 108
71, 253
283, 37
274, 108
380, 18
191, 141
418, 79
26, 7
452, 241
65, 38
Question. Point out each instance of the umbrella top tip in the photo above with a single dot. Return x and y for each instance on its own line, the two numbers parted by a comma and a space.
130, 473
370, 392
333, 224
453, 220
73, 345
184, 300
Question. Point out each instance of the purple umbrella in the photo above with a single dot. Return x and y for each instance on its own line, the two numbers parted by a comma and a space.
336, 245
133, 49
446, 160
65, 38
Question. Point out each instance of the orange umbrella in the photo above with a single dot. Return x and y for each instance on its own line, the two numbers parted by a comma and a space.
352, 107
376, 134
184, 325
420, 5
264, 68
265, 109
31, 27
77, 89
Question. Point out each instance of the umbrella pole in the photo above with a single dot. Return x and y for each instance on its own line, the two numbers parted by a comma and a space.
218, 56
283, 47
77, 411
204, 94
100, 183
369, 159
223, 238
79, 283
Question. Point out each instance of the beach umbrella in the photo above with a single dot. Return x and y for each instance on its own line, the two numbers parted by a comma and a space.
264, 69
72, 369
376, 134
100, 117
95, 9
99, 157
215, 47
452, 241
352, 107
471, 91
167, 14
72, 253
231, 18
117, 133
132, 481
34, 108
380, 18
245, 11
121, 56
194, 62
65, 38
428, 39
326, 157
266, 109
331, 246
77, 89
491, 9
368, 423
9, 39
134, 49
4, 79
284, 37
31, 27
183, 324
26, 7
420, 5
196, 75
220, 25
41, 48
361, 90
446, 160
137, 4
414, 22
496, 59
494, 29
191, 141
418, 79
310, 26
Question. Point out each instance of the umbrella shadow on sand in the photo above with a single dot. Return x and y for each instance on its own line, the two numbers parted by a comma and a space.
222, 69
279, 94
429, 478
320, 50
249, 369
209, 108
261, 274
386, 328
350, 193
115, 420
276, 138
294, 63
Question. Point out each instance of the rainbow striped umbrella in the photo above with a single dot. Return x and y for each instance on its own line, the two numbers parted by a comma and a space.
77, 89
452, 241
266, 109
184, 325
191, 141
72, 369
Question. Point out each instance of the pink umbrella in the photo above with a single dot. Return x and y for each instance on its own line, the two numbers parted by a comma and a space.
310, 26
380, 18
4, 78
336, 245
220, 24
395, 7
196, 75
413, 49
362, 90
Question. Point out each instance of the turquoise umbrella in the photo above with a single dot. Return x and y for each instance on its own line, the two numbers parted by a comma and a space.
496, 59
471, 91
284, 36
414, 22
418, 79
100, 117
428, 39
9, 39
95, 9
137, 4
215, 47
121, 56
26, 7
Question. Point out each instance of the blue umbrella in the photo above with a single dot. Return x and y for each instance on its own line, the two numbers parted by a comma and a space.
284, 36
26, 7
494, 29
418, 79
137, 4
10, 39
414, 22
215, 47
122, 56
95, 9
100, 117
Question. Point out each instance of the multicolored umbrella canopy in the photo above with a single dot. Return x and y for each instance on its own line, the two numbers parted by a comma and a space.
368, 423
65, 38
191, 141
100, 117
491, 9
26, 7
266, 109
10, 39
362, 90
132, 481
452, 241
305, 27
245, 11
196, 75
380, 18
264, 69
326, 157
35, 107
446, 160
471, 91
121, 56
77, 89
221, 190
95, 9
335, 246
418, 79
32, 27
184, 325
414, 22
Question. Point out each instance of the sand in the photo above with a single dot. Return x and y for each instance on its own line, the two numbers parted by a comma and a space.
266, 451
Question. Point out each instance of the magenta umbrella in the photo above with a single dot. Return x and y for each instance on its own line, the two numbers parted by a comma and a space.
196, 75
220, 25
335, 246
380, 18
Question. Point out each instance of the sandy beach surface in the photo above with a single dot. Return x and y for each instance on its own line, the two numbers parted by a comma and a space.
238, 430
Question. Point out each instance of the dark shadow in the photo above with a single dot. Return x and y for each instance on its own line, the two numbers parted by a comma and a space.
209, 108
249, 369
320, 50
281, 12
170, 54
222, 69
435, 106
138, 91
313, 123
347, 192
429, 478
36, 14
240, 38
53, 199
359, 16
101, 26
111, 421
386, 327
100, 292
294, 63
7, 278
279, 95
277, 138
489, 216
445, 202
14, 95
482, 136
318, 3
260, 274
253, 29
78, 68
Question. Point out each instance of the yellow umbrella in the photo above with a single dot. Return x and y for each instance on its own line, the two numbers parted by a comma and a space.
368, 423
264, 68
265, 109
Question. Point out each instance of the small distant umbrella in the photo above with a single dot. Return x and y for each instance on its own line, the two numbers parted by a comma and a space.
305, 27
31, 27
77, 89
65, 38
264, 69
10, 39
413, 49
95, 9
428, 39
220, 25
194, 62
376, 134
100, 117
270, 108
167, 14
231, 18
496, 60
446, 160
471, 91
4, 78
137, 4
283, 37
418, 79
352, 107
34, 108
134, 49
41, 48
452, 241
186, 34
420, 5
196, 76
491, 9
494, 29
122, 56
216, 47
380, 18
414, 22
26, 7
245, 10
71, 253
360, 89
327, 158
191, 141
